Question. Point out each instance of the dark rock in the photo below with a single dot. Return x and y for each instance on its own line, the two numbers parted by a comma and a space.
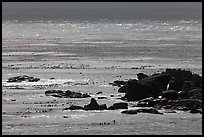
66, 94
148, 110
186, 86
118, 83
145, 102
143, 110
146, 99
195, 93
175, 85
120, 105
170, 111
74, 108
99, 93
103, 106
54, 92
23, 78
180, 75
129, 111
141, 76
180, 104
93, 105
137, 90
123, 89
170, 94
162, 79
102, 97
194, 110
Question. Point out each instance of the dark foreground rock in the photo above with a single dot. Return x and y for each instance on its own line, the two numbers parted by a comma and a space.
151, 86
66, 94
172, 89
23, 78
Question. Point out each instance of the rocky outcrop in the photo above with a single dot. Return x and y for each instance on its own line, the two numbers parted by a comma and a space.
66, 94
23, 78
172, 89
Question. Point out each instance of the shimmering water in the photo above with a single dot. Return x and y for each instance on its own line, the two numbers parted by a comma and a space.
85, 56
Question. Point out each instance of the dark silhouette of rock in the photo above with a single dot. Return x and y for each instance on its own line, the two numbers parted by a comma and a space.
134, 111
123, 89
54, 92
179, 104
175, 84
145, 102
99, 93
162, 79
103, 106
173, 89
148, 102
149, 110
74, 108
195, 110
102, 97
66, 94
170, 94
193, 94
142, 110
141, 76
93, 105
120, 105
118, 83
23, 78
146, 87
180, 75
137, 90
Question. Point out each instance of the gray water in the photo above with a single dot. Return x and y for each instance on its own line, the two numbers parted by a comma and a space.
85, 56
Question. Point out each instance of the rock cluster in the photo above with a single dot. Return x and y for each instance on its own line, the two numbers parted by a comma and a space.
93, 105
172, 89
65, 94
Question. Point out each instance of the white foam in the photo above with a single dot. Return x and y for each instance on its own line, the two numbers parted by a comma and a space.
44, 83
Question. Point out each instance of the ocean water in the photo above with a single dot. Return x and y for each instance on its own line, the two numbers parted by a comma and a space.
85, 56
102, 31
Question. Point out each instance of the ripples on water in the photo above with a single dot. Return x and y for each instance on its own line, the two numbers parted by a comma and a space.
87, 32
